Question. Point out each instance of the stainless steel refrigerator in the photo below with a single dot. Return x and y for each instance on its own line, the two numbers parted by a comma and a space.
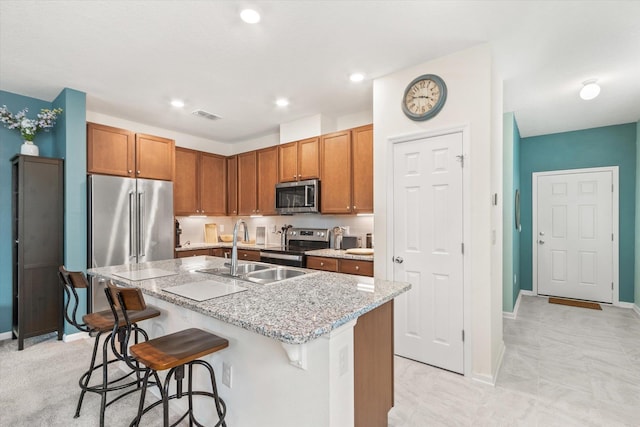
130, 221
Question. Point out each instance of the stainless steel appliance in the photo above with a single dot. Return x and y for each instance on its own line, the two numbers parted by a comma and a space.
298, 197
130, 221
298, 241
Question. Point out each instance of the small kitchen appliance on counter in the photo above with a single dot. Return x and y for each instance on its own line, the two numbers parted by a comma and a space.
298, 241
178, 232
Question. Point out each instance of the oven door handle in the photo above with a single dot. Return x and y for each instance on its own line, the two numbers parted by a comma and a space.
287, 257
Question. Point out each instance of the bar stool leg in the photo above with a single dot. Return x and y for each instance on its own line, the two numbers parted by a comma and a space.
87, 376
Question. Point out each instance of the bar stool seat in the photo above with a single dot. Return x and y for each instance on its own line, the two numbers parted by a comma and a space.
96, 324
169, 352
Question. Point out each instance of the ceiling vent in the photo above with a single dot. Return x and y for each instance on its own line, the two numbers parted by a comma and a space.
206, 115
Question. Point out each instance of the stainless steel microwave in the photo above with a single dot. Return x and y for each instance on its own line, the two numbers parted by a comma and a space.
298, 197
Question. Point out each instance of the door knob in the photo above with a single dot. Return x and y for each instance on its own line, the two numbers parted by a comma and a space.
541, 242
542, 233
398, 260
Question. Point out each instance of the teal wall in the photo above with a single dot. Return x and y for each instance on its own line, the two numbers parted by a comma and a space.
598, 147
637, 265
510, 236
71, 139
66, 140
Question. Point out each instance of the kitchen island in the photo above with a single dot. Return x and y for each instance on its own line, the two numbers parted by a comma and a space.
310, 350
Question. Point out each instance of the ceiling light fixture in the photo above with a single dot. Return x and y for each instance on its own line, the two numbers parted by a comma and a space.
282, 102
356, 77
590, 89
177, 103
250, 16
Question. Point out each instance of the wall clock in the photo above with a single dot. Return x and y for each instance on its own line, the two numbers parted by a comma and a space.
424, 97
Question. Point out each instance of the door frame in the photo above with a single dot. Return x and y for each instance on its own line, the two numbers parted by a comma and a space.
615, 200
466, 225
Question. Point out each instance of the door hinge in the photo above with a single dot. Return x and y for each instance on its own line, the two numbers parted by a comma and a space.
612, 188
611, 285
461, 160
463, 335
462, 247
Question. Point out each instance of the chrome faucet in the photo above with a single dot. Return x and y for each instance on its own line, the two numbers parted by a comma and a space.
234, 250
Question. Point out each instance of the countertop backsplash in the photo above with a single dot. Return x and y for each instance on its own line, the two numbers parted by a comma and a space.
193, 227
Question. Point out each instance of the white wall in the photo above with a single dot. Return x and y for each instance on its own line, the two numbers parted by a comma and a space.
469, 81
255, 143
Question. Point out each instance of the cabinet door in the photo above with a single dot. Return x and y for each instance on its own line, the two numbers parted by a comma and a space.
110, 150
247, 183
248, 255
288, 162
362, 147
213, 184
232, 185
335, 164
154, 157
185, 186
309, 158
267, 179
352, 266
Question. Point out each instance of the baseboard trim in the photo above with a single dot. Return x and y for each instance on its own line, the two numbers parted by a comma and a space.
491, 379
75, 337
6, 336
514, 315
636, 308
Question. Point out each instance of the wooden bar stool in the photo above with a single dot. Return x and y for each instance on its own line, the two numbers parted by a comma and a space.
97, 324
172, 352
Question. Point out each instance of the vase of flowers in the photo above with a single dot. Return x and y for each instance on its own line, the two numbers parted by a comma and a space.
29, 128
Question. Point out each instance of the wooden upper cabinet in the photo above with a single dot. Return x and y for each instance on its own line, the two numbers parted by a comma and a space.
213, 184
335, 173
247, 183
267, 180
309, 158
232, 185
110, 150
185, 185
362, 151
299, 160
200, 183
154, 157
114, 151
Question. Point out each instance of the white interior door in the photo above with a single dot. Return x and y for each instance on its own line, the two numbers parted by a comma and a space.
427, 242
574, 238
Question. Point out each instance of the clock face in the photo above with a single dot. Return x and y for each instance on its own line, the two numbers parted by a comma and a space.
424, 97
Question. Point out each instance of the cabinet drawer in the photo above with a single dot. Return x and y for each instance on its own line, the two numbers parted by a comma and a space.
361, 268
321, 263
194, 252
248, 255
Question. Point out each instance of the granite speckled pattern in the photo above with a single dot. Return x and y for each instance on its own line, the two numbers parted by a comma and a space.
293, 311
338, 253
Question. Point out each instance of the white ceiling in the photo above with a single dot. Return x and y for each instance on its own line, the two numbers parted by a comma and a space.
132, 57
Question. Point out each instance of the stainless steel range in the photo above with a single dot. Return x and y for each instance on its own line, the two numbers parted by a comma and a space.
298, 241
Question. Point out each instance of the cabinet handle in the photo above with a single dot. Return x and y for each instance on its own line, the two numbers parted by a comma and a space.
130, 171
321, 264
299, 176
357, 267
354, 208
202, 211
294, 176
348, 207
138, 172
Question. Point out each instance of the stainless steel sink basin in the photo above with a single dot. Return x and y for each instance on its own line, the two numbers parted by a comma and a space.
273, 275
257, 273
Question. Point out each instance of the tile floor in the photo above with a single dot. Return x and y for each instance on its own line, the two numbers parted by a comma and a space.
563, 366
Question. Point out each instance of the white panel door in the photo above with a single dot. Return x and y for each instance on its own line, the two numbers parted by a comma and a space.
427, 243
574, 241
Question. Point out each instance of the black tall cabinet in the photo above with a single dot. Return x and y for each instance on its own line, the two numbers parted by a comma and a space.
38, 245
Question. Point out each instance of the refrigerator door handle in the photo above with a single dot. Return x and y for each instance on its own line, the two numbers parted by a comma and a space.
132, 227
141, 226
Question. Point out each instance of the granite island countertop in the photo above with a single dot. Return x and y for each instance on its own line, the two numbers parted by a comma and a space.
293, 311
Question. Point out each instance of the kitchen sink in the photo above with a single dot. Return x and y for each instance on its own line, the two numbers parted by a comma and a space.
273, 275
256, 273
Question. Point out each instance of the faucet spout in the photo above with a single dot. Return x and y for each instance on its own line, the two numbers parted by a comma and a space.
234, 249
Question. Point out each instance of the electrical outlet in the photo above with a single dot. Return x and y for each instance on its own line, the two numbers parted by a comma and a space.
343, 361
273, 228
226, 374
221, 227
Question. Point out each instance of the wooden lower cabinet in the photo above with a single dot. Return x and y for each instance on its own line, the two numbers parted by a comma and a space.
220, 252
192, 252
321, 263
243, 254
373, 367
339, 265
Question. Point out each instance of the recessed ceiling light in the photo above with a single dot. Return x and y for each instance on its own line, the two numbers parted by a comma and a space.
282, 102
250, 16
590, 90
356, 77
177, 103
